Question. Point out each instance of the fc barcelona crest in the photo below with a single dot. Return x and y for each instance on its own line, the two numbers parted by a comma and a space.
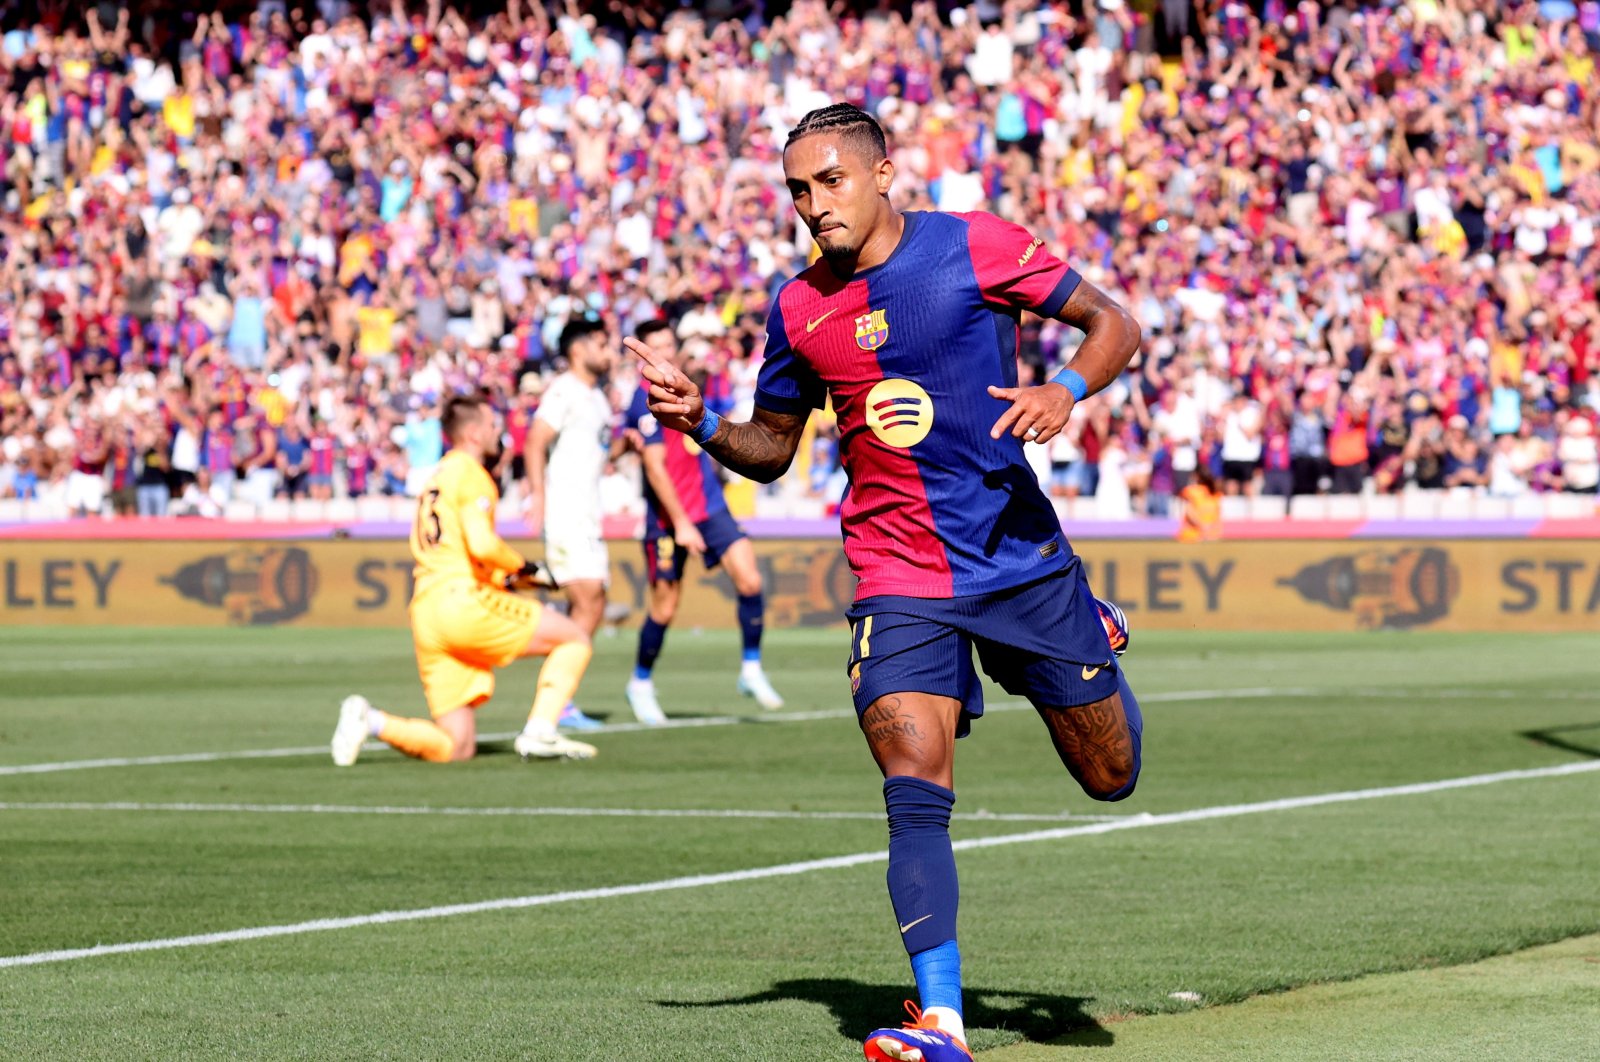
872, 330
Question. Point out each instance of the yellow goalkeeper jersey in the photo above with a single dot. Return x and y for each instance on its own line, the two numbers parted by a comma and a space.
453, 536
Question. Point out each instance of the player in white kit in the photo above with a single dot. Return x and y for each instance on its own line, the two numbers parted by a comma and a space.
568, 446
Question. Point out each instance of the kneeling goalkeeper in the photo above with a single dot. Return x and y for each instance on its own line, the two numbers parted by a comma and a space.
465, 621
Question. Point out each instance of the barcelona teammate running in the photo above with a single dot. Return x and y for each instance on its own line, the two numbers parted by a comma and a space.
686, 513
909, 323
464, 621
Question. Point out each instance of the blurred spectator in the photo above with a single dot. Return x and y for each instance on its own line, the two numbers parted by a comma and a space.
1202, 509
294, 459
152, 489
216, 474
1464, 462
86, 485
1579, 455
1241, 445
258, 444
424, 446
1308, 445
1347, 443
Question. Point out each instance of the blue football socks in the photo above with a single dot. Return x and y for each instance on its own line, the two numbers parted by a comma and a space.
652, 636
923, 887
751, 608
938, 974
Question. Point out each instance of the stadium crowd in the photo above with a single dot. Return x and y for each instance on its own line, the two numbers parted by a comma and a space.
246, 257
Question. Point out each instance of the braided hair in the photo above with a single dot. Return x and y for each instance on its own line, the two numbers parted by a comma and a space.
854, 125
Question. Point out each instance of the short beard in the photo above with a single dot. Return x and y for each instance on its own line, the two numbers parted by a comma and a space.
838, 252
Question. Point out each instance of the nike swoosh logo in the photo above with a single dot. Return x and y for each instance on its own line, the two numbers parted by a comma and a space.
1090, 672
811, 326
911, 925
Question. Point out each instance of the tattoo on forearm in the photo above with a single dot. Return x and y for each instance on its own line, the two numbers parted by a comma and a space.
751, 450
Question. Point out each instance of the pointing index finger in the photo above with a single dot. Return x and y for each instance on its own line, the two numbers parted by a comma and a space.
645, 354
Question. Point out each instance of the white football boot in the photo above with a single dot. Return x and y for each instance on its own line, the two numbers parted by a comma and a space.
352, 732
552, 747
753, 683
642, 699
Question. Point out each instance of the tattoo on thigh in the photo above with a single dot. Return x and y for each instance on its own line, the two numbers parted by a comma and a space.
1091, 733
888, 721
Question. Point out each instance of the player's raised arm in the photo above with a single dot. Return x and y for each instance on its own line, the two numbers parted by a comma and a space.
761, 448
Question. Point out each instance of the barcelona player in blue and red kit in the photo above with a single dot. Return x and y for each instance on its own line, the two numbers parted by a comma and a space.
909, 323
686, 513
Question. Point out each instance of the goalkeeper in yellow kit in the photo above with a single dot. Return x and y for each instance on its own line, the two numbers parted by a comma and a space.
465, 622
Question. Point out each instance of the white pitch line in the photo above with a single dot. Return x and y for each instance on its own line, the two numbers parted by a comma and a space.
322, 750
610, 728
786, 869
1164, 697
529, 812
149, 761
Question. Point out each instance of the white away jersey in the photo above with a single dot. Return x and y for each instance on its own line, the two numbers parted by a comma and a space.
581, 416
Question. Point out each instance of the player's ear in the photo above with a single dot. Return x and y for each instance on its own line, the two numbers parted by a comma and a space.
883, 175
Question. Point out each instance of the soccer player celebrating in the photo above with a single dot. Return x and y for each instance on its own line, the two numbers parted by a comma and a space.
909, 321
465, 622
686, 513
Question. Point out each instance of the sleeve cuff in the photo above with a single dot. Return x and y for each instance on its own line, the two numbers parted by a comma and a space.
776, 403
1059, 294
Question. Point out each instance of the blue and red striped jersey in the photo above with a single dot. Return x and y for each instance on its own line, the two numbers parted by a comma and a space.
907, 350
691, 469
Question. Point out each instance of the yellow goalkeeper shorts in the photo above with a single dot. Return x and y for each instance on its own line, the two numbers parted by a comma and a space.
462, 632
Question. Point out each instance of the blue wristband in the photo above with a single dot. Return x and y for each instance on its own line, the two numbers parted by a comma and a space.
1073, 381
709, 423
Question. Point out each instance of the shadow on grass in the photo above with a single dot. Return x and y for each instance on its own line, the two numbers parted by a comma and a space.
860, 1008
1557, 737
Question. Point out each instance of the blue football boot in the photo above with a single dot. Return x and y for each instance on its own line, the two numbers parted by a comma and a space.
1116, 625
917, 1041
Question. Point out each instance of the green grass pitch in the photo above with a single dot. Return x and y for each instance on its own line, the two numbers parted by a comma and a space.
1169, 937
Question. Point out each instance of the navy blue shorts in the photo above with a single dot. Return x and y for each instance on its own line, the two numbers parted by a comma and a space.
1043, 641
664, 559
